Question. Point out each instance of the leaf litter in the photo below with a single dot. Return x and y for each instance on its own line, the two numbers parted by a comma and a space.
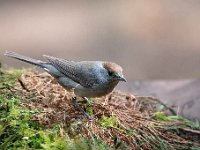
133, 125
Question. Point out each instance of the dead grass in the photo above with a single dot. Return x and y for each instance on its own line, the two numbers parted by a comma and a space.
133, 126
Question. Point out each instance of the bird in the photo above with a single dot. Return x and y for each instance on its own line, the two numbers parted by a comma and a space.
87, 79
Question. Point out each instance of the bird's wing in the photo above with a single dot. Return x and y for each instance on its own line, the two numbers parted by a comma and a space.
76, 72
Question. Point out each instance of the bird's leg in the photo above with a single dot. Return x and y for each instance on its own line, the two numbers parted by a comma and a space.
86, 100
76, 105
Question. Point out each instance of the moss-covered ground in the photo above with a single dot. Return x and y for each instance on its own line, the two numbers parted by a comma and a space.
37, 113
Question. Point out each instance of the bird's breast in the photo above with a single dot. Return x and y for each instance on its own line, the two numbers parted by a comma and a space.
97, 91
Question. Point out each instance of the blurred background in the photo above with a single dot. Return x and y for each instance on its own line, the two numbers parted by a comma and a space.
157, 39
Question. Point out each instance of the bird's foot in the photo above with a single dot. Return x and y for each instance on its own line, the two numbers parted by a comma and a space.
91, 103
76, 105
86, 100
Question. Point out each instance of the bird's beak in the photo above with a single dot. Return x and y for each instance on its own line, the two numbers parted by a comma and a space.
119, 77
122, 79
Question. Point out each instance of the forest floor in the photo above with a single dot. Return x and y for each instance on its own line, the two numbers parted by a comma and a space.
37, 113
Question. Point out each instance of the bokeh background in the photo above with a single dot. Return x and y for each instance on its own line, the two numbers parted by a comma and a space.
157, 39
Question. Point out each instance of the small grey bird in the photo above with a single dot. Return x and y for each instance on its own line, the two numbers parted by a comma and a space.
86, 78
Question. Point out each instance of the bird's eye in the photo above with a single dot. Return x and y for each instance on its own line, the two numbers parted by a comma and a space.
110, 73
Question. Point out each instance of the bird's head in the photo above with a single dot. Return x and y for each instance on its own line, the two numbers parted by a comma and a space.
114, 71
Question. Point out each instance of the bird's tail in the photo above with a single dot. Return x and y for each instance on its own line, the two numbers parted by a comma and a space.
24, 58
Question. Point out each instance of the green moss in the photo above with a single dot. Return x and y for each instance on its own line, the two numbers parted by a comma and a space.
161, 116
89, 109
185, 122
107, 122
18, 131
9, 77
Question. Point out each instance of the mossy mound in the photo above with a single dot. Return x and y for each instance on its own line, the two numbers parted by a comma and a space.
37, 113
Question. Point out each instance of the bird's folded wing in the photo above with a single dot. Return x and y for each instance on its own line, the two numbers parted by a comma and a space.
74, 71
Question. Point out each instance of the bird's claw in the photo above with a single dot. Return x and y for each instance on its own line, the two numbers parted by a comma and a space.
91, 103
86, 100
